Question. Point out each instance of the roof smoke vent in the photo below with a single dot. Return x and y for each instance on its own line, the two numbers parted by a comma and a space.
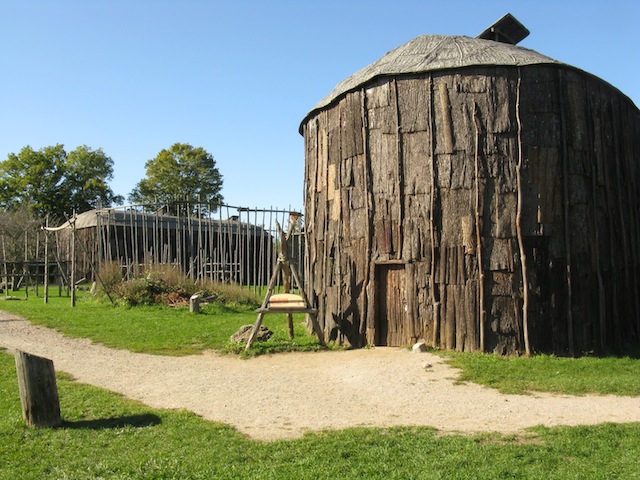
506, 30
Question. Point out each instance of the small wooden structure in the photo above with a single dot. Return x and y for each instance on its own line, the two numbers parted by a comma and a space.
38, 390
477, 195
286, 303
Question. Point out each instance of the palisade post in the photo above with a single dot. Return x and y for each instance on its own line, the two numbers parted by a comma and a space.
38, 390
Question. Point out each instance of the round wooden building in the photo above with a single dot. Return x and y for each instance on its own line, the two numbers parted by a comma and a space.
477, 195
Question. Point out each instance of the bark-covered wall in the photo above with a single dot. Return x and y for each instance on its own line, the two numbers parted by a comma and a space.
508, 197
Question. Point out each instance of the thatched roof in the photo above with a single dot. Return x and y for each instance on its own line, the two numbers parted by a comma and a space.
428, 53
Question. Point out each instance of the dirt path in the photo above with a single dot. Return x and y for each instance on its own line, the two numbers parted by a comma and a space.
283, 396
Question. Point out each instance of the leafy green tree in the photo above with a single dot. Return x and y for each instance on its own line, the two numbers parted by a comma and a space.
50, 181
180, 178
85, 182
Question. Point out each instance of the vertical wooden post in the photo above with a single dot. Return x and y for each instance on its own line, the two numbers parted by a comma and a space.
368, 320
194, 304
400, 179
72, 282
523, 256
478, 227
286, 270
432, 237
38, 390
6, 272
46, 261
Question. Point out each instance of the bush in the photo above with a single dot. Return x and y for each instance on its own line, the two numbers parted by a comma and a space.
233, 294
135, 292
167, 285
111, 277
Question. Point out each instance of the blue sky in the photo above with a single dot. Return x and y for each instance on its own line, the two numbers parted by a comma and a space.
237, 77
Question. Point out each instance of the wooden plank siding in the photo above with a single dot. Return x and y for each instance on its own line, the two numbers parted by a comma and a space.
421, 171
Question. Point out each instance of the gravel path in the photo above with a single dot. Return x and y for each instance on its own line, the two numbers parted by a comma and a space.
286, 395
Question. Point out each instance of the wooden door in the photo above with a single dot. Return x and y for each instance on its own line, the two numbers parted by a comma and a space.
391, 311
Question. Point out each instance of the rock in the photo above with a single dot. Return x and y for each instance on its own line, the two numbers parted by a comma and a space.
242, 335
420, 347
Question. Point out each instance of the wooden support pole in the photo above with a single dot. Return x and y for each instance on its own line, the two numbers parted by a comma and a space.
368, 203
290, 325
265, 302
399, 241
478, 222
312, 315
254, 331
38, 390
46, 261
523, 256
72, 281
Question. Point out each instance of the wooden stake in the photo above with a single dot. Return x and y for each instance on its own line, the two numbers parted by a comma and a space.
434, 303
72, 282
478, 220
46, 261
369, 213
400, 178
523, 256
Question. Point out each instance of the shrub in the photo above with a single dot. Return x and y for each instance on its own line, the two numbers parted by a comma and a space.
166, 284
233, 294
135, 292
111, 277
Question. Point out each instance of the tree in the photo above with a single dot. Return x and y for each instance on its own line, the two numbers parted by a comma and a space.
15, 225
85, 182
180, 178
50, 181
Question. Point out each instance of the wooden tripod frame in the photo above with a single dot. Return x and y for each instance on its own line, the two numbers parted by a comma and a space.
284, 266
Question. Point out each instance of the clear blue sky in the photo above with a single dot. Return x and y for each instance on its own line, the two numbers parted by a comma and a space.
236, 77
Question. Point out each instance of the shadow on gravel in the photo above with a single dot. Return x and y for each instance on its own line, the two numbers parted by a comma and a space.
146, 420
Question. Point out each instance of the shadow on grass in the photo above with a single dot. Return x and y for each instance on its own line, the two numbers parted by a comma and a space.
146, 420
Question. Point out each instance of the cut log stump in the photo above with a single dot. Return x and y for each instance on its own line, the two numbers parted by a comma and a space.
194, 304
38, 390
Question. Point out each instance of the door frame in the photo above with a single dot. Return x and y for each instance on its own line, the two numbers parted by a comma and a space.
380, 269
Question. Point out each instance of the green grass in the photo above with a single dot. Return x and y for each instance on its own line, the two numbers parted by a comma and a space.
574, 376
159, 329
109, 437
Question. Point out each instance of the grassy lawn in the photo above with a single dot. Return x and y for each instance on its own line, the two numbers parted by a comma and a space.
159, 329
107, 436
175, 331
573, 376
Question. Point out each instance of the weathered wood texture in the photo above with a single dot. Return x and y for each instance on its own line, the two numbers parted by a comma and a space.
38, 390
422, 171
